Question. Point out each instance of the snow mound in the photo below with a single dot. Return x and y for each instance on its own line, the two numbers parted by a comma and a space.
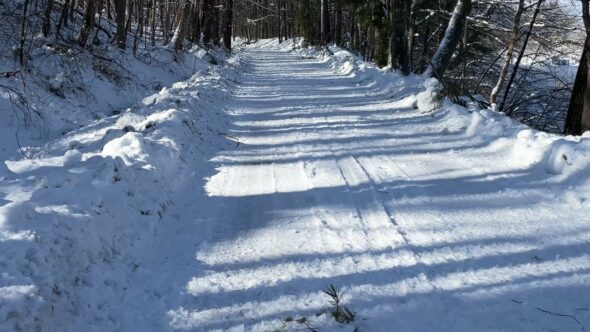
81, 215
557, 155
430, 99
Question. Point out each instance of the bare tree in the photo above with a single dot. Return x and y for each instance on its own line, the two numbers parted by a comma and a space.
180, 33
120, 6
47, 18
509, 53
441, 59
325, 22
228, 20
520, 55
88, 22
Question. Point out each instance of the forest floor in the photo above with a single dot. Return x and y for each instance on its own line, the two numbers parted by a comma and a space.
308, 170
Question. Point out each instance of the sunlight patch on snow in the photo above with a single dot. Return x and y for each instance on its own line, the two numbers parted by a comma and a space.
502, 279
11, 293
577, 278
24, 235
63, 210
183, 318
29, 165
316, 268
497, 275
130, 147
253, 180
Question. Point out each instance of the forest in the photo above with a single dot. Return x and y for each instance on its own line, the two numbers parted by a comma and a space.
518, 57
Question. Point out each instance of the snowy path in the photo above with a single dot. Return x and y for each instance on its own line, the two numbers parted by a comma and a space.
336, 181
231, 200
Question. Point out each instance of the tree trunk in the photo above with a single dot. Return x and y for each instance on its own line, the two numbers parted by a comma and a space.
216, 29
88, 22
585, 121
280, 21
325, 22
338, 23
73, 6
393, 41
573, 121
63, 18
441, 59
120, 6
228, 20
129, 15
207, 21
139, 27
578, 113
509, 53
412, 31
464, 56
47, 18
99, 10
153, 23
181, 29
520, 56
23, 33
166, 22
400, 11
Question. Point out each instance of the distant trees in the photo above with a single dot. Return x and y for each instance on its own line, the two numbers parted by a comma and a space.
198, 21
511, 53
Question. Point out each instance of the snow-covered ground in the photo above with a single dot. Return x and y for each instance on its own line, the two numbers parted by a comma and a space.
230, 201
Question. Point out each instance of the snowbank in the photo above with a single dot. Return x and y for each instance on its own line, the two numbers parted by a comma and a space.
73, 223
555, 154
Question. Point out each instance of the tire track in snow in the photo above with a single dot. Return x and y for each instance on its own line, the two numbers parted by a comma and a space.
391, 215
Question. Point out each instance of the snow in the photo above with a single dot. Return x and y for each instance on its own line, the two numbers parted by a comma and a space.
429, 100
232, 199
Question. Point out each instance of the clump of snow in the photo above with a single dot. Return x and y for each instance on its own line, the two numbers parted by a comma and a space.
130, 147
561, 156
72, 157
557, 155
429, 99
57, 82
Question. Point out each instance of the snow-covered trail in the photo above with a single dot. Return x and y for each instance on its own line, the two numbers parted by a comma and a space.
336, 180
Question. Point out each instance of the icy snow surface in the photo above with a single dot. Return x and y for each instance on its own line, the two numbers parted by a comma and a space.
231, 200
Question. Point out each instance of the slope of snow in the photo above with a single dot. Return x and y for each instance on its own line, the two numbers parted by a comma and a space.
74, 224
233, 199
67, 86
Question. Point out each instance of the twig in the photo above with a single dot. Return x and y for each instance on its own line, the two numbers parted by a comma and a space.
562, 315
309, 327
